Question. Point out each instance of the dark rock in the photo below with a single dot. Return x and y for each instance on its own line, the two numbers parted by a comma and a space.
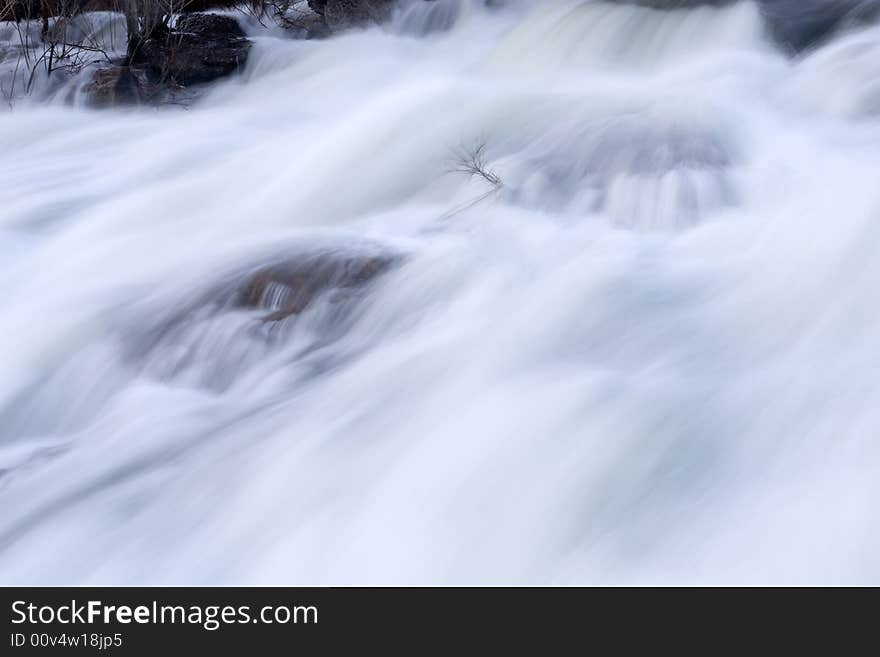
802, 24
342, 14
676, 4
305, 24
796, 25
306, 300
25, 9
288, 288
201, 48
214, 26
114, 85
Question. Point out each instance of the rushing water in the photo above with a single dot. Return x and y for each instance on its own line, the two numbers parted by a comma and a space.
643, 348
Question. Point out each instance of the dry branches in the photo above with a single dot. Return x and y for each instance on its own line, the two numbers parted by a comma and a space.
471, 161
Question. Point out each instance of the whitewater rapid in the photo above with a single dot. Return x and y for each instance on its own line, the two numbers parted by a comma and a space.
649, 354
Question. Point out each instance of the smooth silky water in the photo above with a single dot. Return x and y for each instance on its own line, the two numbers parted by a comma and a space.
642, 348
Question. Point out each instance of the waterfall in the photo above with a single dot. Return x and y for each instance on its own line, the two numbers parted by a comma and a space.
523, 292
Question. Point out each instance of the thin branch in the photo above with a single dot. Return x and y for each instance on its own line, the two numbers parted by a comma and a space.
471, 161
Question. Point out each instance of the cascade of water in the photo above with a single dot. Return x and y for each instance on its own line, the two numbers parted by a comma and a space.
540, 292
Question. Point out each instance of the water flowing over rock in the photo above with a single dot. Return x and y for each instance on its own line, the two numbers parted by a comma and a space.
288, 288
303, 301
795, 24
668, 176
342, 14
200, 48
802, 24
118, 85
542, 292
423, 18
292, 308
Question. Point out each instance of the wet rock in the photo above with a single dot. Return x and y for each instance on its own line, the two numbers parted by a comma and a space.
327, 16
663, 176
209, 26
676, 4
300, 305
795, 25
343, 14
798, 25
201, 48
288, 288
29, 9
424, 18
305, 23
113, 86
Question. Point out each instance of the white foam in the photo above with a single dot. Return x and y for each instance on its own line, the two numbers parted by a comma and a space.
545, 390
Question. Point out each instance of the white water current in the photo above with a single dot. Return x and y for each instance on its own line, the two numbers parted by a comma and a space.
643, 348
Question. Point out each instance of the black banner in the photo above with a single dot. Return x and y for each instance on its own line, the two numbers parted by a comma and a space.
155, 620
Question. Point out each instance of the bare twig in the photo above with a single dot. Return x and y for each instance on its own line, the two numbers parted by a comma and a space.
471, 161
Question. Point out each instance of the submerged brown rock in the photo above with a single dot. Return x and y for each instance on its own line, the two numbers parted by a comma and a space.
288, 288
301, 303
115, 85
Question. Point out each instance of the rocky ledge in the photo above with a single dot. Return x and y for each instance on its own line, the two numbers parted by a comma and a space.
796, 25
199, 48
343, 14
